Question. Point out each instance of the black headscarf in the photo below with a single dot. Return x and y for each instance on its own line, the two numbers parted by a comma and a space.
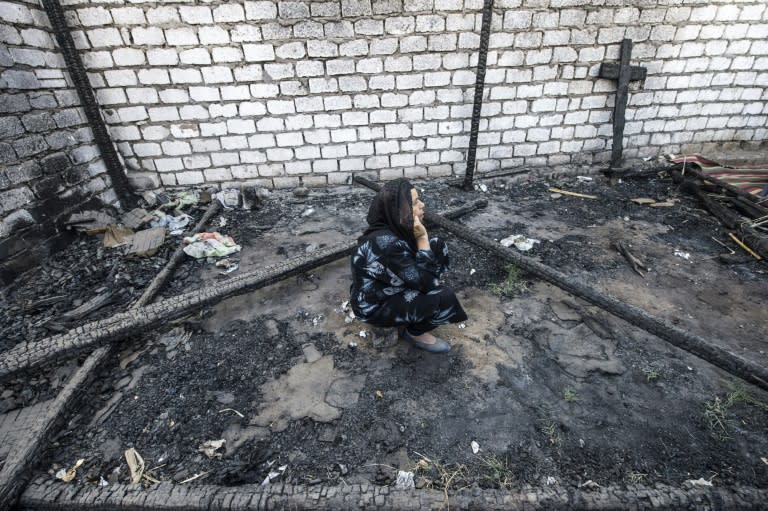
392, 209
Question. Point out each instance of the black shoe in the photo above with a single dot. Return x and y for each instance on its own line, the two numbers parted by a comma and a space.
439, 346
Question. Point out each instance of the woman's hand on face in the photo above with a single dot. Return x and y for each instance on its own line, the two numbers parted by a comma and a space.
419, 231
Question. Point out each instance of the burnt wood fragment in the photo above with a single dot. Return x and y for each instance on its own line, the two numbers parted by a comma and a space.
706, 350
46, 494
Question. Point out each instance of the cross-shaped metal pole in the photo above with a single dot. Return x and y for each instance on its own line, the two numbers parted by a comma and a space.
623, 73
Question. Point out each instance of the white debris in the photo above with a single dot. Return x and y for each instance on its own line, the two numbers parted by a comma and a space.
581, 443
103, 482
520, 242
551, 480
684, 255
482, 187
475, 447
583, 179
698, 482
353, 344
345, 306
274, 474
472, 271
210, 447
589, 484
308, 212
404, 480
363, 333
462, 325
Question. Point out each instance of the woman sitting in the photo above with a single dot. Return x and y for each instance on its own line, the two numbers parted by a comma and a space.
396, 268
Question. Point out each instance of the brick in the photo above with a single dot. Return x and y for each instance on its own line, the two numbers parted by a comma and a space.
143, 95
153, 76
517, 19
354, 118
270, 124
181, 36
259, 52
94, 16
337, 102
352, 83
308, 30
430, 23
405, 82
294, 50
148, 36
369, 27
411, 44
162, 15
275, 31
189, 112
103, 37
174, 96
383, 46
399, 25
325, 9
217, 74
279, 107
195, 56
455, 61
26, 147
218, 35
128, 57
322, 49
240, 33
339, 29
381, 82
128, 16
227, 55
196, 15
260, 10
228, 13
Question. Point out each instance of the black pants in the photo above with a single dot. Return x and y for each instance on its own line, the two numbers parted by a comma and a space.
422, 313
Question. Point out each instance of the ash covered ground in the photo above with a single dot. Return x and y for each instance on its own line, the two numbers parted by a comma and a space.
550, 389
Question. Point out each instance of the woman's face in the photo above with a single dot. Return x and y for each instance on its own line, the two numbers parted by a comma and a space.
418, 206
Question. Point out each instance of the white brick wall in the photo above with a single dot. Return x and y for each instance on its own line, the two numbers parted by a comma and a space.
274, 90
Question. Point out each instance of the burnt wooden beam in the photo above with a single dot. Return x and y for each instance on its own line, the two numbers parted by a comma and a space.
623, 72
159, 281
702, 348
21, 459
137, 320
47, 494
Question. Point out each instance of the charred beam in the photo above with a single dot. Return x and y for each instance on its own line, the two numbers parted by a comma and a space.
140, 319
748, 208
734, 364
159, 281
45, 494
18, 465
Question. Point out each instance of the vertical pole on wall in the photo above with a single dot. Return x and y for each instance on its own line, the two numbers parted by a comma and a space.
485, 33
76, 70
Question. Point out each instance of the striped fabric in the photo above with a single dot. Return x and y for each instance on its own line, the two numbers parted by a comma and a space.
750, 178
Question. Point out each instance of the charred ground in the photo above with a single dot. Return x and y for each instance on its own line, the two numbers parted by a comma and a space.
551, 388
